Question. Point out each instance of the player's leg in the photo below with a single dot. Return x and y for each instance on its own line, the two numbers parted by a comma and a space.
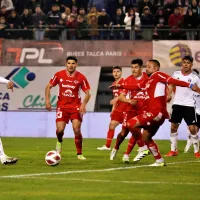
190, 119
110, 134
189, 141
62, 118
78, 139
120, 138
60, 127
176, 118
147, 137
4, 158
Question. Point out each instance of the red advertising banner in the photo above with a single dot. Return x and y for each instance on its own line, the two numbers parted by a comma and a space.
89, 53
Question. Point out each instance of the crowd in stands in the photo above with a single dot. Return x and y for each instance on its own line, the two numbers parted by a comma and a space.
119, 19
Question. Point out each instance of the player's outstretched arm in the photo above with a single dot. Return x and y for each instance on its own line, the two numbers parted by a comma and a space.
127, 87
10, 84
84, 103
47, 97
122, 98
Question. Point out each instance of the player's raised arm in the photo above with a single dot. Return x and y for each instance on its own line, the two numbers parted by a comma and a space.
10, 84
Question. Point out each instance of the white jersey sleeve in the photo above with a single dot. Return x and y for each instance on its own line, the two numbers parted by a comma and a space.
185, 96
3, 80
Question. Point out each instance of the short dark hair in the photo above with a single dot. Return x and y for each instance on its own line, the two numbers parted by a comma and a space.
72, 58
156, 62
195, 70
190, 58
137, 61
117, 67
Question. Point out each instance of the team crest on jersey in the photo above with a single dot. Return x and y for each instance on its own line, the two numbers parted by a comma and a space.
189, 80
76, 82
61, 80
178, 78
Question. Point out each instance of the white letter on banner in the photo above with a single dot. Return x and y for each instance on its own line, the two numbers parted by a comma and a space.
41, 59
29, 53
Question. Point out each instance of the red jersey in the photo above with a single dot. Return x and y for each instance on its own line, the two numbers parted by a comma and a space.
155, 91
120, 106
69, 88
135, 94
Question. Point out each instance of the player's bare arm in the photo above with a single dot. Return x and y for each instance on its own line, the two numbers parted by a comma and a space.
122, 98
114, 101
10, 84
84, 103
170, 90
47, 96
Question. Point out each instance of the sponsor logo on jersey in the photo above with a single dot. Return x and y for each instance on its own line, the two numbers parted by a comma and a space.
68, 86
68, 93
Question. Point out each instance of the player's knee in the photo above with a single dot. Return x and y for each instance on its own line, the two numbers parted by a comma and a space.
112, 126
77, 131
174, 128
59, 130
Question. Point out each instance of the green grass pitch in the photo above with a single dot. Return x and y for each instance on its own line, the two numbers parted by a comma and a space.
73, 179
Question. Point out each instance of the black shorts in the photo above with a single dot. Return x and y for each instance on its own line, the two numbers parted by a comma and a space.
183, 112
198, 121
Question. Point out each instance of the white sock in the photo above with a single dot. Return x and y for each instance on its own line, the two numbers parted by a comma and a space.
195, 142
1, 149
173, 140
189, 142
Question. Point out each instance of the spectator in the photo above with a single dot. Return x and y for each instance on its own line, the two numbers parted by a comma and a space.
26, 19
13, 20
8, 4
82, 4
190, 22
93, 25
176, 22
72, 25
195, 9
161, 22
104, 24
66, 15
120, 4
82, 13
169, 8
93, 11
3, 26
82, 28
32, 4
74, 7
39, 21
118, 23
53, 16
4, 12
20, 5
142, 4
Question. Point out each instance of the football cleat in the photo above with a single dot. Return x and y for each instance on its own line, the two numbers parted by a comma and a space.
158, 164
125, 158
141, 154
113, 154
59, 147
104, 147
6, 160
172, 153
81, 157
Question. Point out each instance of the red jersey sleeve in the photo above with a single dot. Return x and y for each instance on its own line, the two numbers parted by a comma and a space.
165, 78
85, 86
54, 80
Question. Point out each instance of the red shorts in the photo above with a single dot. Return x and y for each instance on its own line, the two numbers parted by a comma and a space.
149, 119
64, 115
122, 117
128, 115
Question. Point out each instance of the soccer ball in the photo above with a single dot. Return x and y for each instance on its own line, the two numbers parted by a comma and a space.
52, 158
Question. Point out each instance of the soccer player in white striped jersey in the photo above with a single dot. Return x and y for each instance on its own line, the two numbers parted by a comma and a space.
3, 157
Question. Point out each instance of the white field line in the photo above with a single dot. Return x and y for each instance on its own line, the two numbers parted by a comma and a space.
90, 170
110, 181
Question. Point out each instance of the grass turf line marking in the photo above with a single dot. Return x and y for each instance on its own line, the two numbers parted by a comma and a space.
90, 170
110, 181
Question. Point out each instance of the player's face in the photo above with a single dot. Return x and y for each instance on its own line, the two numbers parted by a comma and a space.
136, 70
71, 66
117, 73
150, 68
186, 66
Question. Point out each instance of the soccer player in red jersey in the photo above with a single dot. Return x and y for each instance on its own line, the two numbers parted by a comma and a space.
69, 105
155, 99
131, 98
118, 109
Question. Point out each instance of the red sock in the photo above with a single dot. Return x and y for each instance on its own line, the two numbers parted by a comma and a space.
154, 149
131, 144
78, 142
119, 140
139, 140
109, 138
